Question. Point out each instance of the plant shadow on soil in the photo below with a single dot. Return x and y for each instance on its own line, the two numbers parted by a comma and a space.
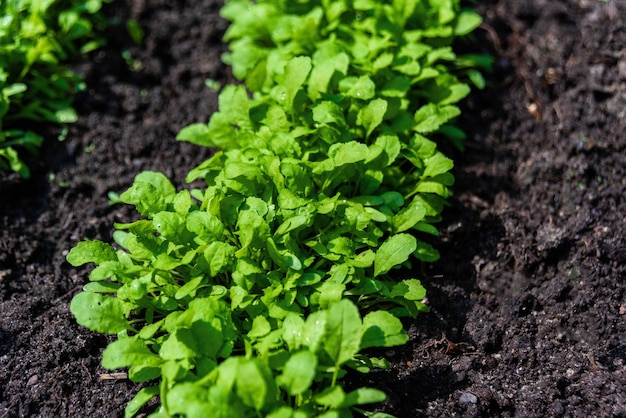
528, 301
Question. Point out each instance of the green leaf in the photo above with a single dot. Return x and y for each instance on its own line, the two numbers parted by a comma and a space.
362, 396
456, 92
314, 330
15, 88
182, 202
382, 329
372, 115
331, 397
99, 313
437, 164
341, 246
179, 345
127, 352
397, 87
409, 216
287, 412
375, 414
328, 60
196, 133
283, 258
255, 385
330, 293
364, 259
430, 117
150, 193
169, 225
91, 252
427, 228
205, 225
466, 22
328, 112
296, 72
343, 332
101, 287
477, 78
66, 115
189, 288
298, 372
220, 257
290, 224
393, 252
292, 331
362, 88
348, 153
410, 289
426, 252
235, 104
260, 327
140, 399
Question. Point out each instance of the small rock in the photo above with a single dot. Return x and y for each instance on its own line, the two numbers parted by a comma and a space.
621, 69
33, 380
466, 398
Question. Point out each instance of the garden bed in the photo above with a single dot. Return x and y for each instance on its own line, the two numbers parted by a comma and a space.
528, 300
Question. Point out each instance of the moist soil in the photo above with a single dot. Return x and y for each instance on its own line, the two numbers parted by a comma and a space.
528, 302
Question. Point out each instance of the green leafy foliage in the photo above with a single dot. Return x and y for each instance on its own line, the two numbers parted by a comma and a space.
36, 38
396, 55
256, 293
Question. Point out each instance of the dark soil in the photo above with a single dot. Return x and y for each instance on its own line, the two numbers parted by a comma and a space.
528, 300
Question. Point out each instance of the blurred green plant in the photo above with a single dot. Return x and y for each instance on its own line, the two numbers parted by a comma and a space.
37, 38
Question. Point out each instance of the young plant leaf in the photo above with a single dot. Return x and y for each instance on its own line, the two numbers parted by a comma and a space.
296, 72
382, 329
91, 252
140, 399
343, 332
393, 252
298, 372
372, 115
99, 313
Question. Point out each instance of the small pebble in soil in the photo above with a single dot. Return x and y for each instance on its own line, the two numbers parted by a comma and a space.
466, 398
